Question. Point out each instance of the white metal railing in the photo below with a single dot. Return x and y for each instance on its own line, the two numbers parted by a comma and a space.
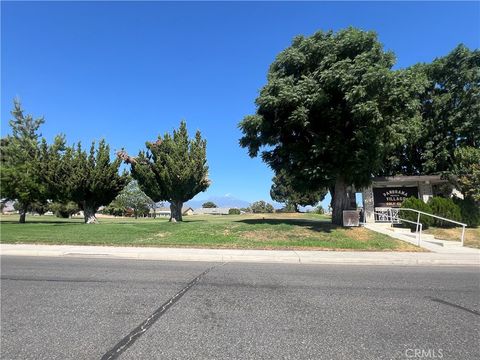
392, 214
385, 214
462, 238
418, 224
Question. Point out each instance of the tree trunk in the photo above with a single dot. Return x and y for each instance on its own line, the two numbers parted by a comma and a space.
23, 214
340, 201
89, 214
176, 210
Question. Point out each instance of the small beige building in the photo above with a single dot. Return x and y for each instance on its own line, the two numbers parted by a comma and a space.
211, 211
165, 211
386, 194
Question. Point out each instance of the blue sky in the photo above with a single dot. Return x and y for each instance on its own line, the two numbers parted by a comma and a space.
128, 71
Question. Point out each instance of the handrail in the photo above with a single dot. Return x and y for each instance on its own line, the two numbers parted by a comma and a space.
462, 238
435, 216
419, 225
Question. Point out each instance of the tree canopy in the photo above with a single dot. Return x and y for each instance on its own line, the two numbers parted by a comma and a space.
329, 112
173, 168
283, 191
450, 116
93, 179
209, 204
262, 207
466, 172
132, 197
21, 161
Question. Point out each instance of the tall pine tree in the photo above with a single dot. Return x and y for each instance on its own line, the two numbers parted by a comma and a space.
21, 161
174, 169
93, 180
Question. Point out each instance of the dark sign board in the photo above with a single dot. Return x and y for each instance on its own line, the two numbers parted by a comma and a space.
393, 196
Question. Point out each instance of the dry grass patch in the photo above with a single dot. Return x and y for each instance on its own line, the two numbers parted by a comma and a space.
358, 234
162, 234
273, 235
472, 235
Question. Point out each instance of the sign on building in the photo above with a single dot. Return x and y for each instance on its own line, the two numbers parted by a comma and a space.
393, 196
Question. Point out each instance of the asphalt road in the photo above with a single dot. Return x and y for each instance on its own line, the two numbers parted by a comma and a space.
72, 308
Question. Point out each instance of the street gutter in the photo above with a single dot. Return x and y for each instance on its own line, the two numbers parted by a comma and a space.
232, 255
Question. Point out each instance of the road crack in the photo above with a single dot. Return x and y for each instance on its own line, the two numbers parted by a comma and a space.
128, 340
454, 305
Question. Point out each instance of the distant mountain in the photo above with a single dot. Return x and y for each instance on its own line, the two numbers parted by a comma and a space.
226, 201
220, 201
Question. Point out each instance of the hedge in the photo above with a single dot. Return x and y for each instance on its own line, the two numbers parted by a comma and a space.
445, 207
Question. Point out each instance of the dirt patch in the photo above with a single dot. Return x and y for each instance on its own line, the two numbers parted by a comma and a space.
161, 234
359, 234
472, 235
274, 235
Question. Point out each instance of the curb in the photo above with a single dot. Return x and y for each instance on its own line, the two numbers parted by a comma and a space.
230, 255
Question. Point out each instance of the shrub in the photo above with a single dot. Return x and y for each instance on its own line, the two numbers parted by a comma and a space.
261, 207
209, 205
319, 210
469, 211
234, 211
64, 210
445, 208
416, 204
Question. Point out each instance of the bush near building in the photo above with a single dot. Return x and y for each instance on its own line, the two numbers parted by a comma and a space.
470, 212
234, 212
463, 210
417, 204
444, 207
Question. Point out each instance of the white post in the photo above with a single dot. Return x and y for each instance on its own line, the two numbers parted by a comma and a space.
420, 234
418, 220
463, 233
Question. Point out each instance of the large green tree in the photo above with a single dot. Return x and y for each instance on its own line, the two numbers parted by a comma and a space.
93, 180
466, 172
21, 161
132, 197
261, 207
329, 112
283, 191
174, 169
209, 204
450, 108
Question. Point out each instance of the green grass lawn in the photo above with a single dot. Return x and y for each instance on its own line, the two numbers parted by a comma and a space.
272, 231
472, 235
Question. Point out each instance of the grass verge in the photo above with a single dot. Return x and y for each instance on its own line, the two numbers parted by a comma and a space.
272, 231
472, 235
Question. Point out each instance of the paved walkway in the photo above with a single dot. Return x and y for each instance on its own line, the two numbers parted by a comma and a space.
429, 242
261, 256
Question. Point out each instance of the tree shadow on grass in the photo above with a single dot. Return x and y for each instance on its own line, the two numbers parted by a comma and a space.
43, 222
314, 225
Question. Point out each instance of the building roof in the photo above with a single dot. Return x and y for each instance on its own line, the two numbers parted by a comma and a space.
212, 211
432, 179
167, 209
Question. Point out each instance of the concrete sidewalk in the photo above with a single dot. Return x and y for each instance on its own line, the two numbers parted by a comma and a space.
231, 255
428, 242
